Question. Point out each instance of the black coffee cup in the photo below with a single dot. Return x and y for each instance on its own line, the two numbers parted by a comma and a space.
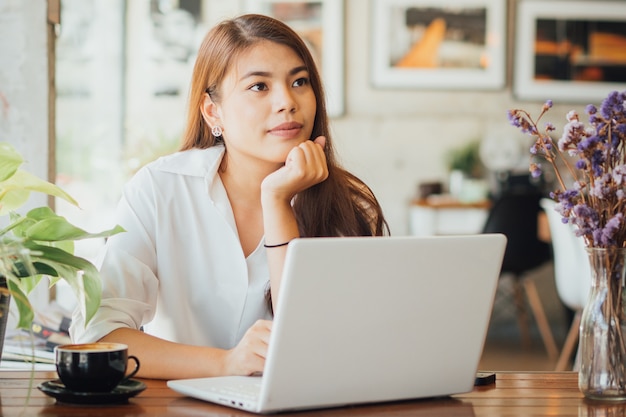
93, 367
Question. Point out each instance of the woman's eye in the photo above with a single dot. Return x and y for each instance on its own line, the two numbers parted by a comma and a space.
301, 82
258, 87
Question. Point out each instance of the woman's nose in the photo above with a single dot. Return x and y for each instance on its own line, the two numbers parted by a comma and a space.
285, 100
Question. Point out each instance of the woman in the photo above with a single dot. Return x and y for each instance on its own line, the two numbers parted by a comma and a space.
199, 267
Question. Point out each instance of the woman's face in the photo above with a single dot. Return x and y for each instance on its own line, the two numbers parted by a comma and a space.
267, 104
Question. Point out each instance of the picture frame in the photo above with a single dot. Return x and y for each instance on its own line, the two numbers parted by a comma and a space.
569, 51
438, 44
321, 24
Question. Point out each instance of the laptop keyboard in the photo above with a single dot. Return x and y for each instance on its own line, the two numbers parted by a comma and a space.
249, 391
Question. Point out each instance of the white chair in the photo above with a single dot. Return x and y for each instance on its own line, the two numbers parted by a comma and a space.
571, 274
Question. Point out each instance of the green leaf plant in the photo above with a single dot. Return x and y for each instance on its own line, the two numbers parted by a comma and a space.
40, 243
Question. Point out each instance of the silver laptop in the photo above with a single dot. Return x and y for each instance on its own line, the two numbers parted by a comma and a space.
370, 319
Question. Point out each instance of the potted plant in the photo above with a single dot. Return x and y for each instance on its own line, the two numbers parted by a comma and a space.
465, 172
466, 158
39, 243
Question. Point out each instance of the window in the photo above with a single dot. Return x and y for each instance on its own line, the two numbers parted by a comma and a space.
122, 74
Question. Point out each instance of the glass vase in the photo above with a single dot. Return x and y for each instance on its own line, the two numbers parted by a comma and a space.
602, 374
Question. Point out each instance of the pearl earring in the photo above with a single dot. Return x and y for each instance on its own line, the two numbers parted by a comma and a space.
216, 131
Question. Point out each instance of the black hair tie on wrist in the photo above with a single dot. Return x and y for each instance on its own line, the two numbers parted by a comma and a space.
278, 245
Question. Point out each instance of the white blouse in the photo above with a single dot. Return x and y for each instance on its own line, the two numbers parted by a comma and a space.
179, 270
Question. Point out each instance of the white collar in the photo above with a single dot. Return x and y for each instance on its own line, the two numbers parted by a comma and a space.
193, 162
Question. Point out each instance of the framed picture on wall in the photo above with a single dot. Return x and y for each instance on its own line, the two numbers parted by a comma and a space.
320, 24
438, 44
569, 50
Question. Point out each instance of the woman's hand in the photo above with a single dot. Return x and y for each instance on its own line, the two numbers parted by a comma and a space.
304, 167
248, 357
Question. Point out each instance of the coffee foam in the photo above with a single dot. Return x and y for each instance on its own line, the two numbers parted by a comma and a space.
92, 347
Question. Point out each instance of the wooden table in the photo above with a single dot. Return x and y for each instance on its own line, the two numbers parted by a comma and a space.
514, 394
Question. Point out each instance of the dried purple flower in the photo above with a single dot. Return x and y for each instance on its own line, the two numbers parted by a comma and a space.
596, 202
513, 118
601, 187
597, 162
607, 237
535, 170
612, 105
586, 218
517, 119
573, 132
591, 109
547, 106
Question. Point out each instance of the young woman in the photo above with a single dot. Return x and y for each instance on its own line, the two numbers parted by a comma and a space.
190, 287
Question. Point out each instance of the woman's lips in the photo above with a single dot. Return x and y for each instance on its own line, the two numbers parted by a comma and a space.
287, 130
